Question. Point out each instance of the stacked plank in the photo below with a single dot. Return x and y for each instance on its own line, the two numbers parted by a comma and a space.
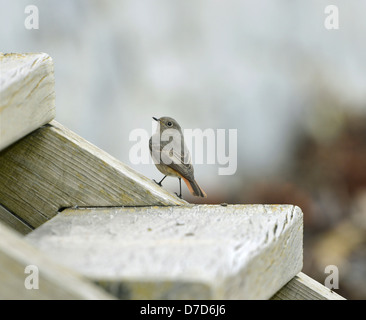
96, 229
44, 167
199, 252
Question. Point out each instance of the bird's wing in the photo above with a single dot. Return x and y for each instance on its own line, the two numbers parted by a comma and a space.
181, 162
174, 153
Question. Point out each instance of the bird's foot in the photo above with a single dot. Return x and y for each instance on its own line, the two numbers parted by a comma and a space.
158, 183
178, 195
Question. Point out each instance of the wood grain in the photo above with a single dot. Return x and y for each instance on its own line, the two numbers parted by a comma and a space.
27, 95
302, 287
53, 168
13, 221
180, 252
54, 281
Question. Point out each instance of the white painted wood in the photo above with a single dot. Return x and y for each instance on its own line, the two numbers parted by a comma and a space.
54, 281
27, 94
181, 252
302, 287
53, 168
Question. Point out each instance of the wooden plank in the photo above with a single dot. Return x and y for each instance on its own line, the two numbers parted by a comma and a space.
54, 281
27, 94
302, 287
53, 168
14, 222
180, 252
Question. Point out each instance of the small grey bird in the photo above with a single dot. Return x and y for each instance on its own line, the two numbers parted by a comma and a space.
171, 156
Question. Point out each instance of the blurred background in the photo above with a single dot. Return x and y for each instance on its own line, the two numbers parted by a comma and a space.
295, 92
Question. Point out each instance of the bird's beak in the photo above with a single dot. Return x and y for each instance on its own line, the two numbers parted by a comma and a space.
155, 119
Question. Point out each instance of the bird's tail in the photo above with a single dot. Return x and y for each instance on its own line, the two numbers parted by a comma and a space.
194, 188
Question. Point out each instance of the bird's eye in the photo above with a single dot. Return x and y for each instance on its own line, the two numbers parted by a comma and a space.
169, 124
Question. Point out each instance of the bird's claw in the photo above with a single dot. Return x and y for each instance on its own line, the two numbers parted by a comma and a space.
178, 195
158, 183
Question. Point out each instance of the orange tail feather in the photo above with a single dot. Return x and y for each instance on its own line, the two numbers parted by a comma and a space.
194, 188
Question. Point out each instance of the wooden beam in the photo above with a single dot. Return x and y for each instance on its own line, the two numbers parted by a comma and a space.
302, 287
53, 168
27, 95
54, 281
180, 252
13, 221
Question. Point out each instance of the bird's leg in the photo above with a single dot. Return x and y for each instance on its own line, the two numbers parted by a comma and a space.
159, 183
180, 189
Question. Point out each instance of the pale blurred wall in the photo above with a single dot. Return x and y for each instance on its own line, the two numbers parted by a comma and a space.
257, 66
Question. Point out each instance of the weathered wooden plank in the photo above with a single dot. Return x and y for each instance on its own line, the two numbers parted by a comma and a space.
53, 168
180, 252
302, 287
54, 281
27, 94
14, 222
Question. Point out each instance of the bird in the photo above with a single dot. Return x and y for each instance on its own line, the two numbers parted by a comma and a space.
171, 155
